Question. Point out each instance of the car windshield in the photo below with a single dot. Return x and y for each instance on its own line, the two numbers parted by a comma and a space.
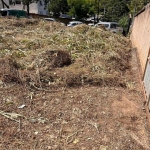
113, 26
73, 23
106, 25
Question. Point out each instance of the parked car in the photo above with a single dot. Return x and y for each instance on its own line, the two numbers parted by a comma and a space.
73, 23
50, 19
90, 19
65, 16
111, 26
91, 24
53, 20
93, 19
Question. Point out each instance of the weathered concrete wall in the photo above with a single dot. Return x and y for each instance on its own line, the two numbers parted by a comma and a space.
140, 35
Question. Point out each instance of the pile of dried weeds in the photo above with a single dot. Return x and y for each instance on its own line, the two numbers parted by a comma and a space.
48, 54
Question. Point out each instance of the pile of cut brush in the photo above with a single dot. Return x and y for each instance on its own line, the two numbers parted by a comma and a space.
44, 54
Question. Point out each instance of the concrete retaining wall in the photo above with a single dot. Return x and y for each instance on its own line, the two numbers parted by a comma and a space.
140, 35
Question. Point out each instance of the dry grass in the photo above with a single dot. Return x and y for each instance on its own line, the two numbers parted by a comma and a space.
64, 56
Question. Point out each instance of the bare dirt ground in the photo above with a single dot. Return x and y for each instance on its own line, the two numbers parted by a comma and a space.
78, 117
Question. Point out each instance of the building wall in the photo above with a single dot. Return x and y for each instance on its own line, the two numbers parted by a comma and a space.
140, 35
1, 5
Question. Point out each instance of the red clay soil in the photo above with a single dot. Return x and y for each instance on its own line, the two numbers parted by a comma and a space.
77, 118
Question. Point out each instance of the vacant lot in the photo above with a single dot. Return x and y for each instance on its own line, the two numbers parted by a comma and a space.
68, 89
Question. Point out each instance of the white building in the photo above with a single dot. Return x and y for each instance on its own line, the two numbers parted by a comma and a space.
1, 6
37, 8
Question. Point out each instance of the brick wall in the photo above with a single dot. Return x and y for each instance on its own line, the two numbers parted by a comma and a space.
140, 35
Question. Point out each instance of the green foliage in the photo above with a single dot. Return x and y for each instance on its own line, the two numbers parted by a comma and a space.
114, 10
79, 9
110, 10
124, 22
135, 6
58, 6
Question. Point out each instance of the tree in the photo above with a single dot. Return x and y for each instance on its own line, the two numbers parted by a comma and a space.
4, 4
58, 6
136, 5
27, 3
111, 10
118, 9
78, 8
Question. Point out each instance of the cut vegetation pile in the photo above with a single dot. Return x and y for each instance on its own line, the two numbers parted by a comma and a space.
67, 88
45, 54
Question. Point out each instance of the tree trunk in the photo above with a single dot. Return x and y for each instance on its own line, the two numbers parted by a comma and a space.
98, 11
94, 12
4, 4
28, 9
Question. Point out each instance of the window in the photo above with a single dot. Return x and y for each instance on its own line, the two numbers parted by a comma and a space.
24, 7
18, 1
113, 26
11, 2
40, 3
105, 25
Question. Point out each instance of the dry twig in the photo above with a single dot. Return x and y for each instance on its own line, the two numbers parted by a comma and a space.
11, 116
71, 136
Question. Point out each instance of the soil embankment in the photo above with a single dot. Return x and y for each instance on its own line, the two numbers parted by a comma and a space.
68, 88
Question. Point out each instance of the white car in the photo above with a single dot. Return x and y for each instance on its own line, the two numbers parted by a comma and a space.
50, 19
53, 20
90, 19
73, 23
91, 24
112, 26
